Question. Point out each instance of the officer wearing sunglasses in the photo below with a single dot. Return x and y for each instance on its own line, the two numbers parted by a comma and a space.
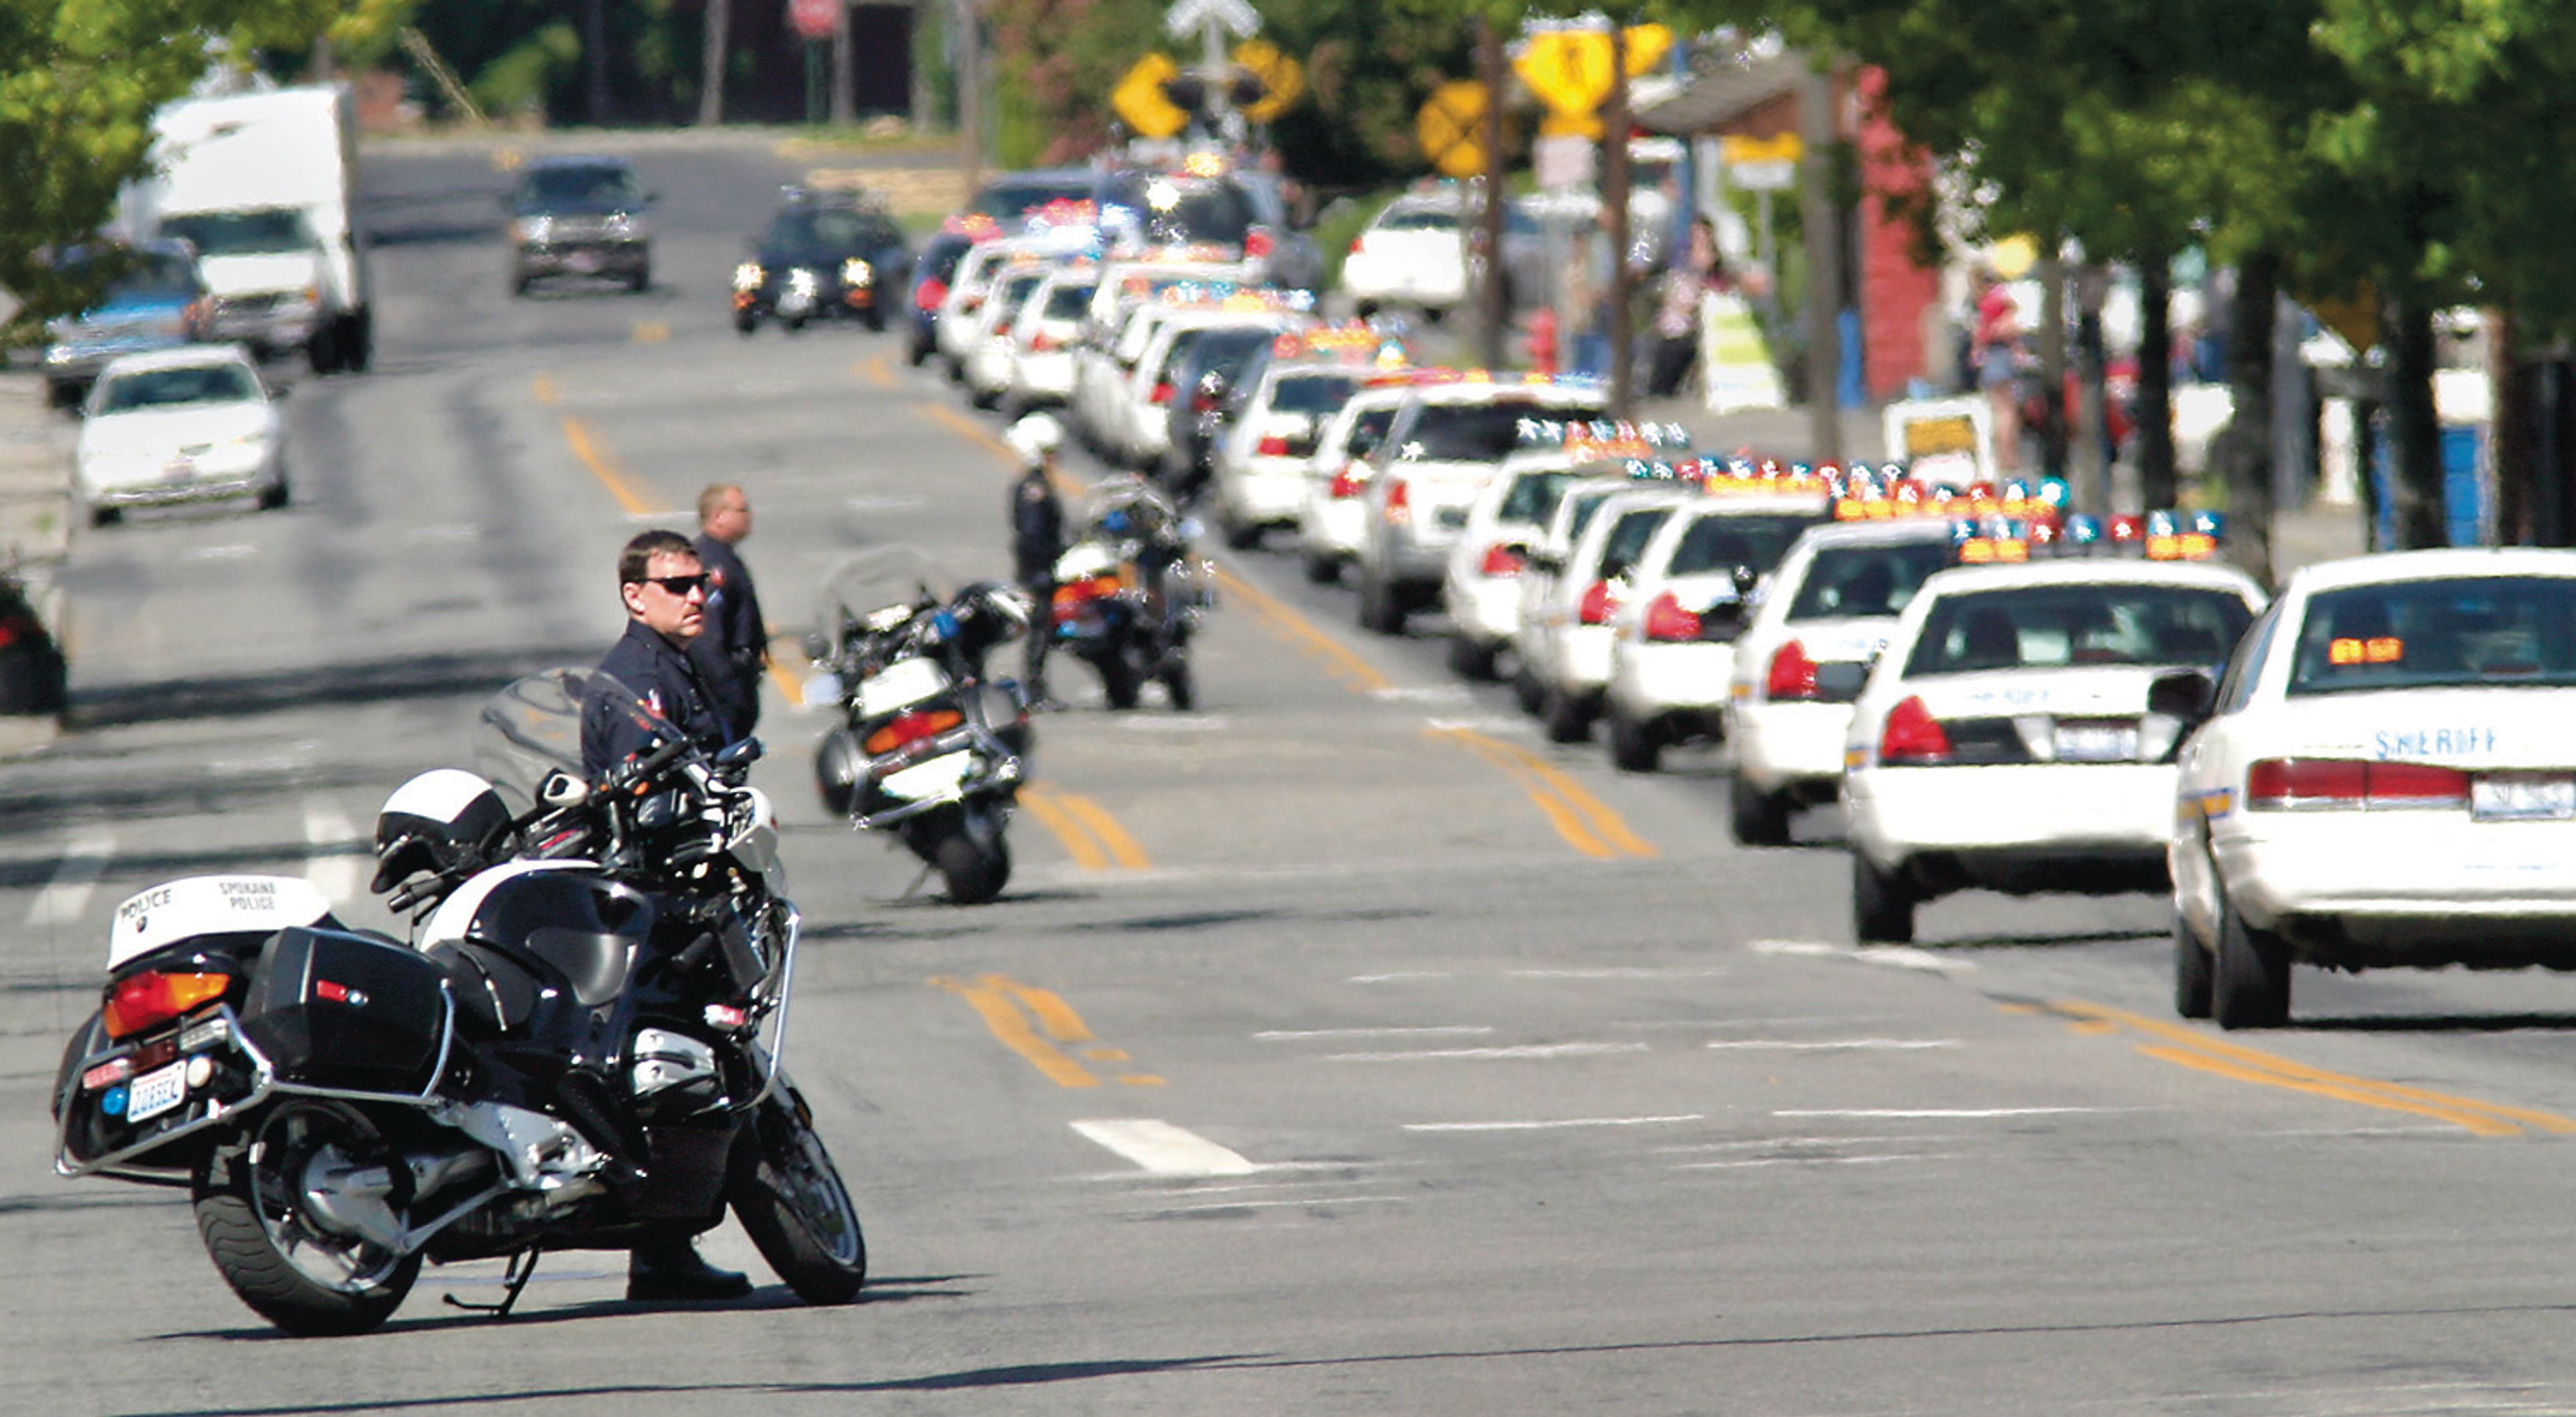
665, 590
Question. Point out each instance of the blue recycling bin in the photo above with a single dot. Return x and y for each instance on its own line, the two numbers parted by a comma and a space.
2464, 493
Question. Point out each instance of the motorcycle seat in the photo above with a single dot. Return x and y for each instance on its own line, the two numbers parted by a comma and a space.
495, 995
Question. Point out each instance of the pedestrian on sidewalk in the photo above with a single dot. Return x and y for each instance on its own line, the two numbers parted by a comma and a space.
1996, 352
1684, 286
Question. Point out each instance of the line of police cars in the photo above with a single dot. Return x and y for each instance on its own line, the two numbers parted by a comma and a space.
2370, 769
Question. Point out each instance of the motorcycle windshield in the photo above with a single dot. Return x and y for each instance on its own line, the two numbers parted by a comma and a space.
1125, 507
533, 727
877, 590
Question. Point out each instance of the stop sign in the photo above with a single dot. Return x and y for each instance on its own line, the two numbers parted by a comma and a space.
812, 19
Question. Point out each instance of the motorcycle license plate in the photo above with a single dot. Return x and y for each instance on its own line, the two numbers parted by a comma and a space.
900, 685
586, 262
157, 1092
2523, 797
940, 774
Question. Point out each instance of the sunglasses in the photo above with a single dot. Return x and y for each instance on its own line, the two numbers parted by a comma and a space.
679, 585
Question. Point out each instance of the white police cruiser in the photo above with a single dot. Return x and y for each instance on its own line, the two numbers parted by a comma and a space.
2386, 779
2005, 739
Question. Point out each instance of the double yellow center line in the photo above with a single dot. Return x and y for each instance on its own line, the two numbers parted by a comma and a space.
2186, 1047
1585, 821
1089, 833
1040, 1026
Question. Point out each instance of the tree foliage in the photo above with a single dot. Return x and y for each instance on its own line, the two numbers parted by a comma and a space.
79, 80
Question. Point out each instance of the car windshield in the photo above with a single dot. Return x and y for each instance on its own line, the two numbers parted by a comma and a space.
1479, 432
1628, 536
261, 233
1844, 582
1532, 496
1012, 198
166, 388
156, 277
2484, 630
827, 230
2059, 626
1316, 394
580, 186
1167, 210
1724, 543
1418, 219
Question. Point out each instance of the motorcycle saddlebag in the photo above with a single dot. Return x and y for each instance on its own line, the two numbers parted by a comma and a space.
347, 1012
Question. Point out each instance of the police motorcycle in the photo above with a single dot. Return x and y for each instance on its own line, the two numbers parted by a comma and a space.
1128, 595
929, 750
581, 1047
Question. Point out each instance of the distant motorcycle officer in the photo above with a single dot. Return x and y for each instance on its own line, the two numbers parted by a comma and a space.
733, 653
1037, 538
664, 587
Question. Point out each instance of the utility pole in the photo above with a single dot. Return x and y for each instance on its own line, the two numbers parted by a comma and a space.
1614, 216
969, 39
1821, 216
711, 62
845, 81
1494, 294
594, 58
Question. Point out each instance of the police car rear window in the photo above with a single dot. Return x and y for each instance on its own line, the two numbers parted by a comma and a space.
1314, 393
1628, 536
1532, 496
2488, 630
2063, 626
1723, 543
1478, 432
1849, 581
1067, 302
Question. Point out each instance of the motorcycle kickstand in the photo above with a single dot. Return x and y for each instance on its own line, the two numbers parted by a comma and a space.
523, 1267
917, 882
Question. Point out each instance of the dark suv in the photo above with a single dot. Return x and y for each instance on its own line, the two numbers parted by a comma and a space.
580, 216
825, 255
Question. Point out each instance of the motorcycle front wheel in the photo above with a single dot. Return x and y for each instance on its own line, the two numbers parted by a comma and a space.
263, 1215
975, 873
791, 1202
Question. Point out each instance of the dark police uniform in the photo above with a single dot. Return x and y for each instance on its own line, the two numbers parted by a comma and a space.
661, 674
733, 651
1037, 540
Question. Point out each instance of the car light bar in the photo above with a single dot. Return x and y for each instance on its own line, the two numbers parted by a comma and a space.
1604, 438
2047, 534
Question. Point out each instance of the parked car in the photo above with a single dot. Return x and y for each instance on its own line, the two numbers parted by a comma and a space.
179, 425
155, 300
583, 217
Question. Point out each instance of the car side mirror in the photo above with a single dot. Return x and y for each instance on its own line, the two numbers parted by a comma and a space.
1840, 681
2187, 694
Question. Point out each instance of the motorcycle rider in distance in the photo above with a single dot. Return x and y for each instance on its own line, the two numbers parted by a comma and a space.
664, 588
1133, 514
1037, 538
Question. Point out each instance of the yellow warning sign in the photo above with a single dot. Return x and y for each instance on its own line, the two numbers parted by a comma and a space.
1140, 102
1449, 126
1283, 80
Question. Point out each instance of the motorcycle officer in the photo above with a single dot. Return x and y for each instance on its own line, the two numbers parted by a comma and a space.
664, 586
733, 653
1037, 539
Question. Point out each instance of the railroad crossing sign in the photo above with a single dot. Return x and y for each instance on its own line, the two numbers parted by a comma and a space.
1450, 126
1140, 101
1191, 16
1282, 79
812, 19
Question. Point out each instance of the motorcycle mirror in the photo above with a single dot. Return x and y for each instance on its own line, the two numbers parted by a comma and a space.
823, 688
738, 753
562, 789
817, 646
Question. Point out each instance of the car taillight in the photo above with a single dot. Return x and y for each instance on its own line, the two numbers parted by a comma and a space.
1912, 735
1002, 329
1256, 242
1355, 244
1348, 482
911, 728
1792, 675
1596, 605
1666, 620
152, 998
1273, 446
14, 628
1502, 559
1162, 393
928, 294
1041, 342
2294, 784
1399, 502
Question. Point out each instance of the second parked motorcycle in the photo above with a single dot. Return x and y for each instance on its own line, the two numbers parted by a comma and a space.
1128, 595
930, 750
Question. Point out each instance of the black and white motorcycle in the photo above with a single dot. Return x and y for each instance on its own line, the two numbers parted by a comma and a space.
930, 749
580, 1048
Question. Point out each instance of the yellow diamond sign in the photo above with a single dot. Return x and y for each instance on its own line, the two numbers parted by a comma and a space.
1140, 102
1283, 80
1569, 69
1449, 126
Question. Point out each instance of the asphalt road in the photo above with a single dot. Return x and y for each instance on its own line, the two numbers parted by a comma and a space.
1340, 1046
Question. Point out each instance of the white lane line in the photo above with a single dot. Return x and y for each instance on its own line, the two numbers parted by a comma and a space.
1943, 1113
336, 862
1729, 1025
1526, 1050
1551, 1126
1164, 1149
1784, 1143
1895, 956
1397, 977
1281, 1035
236, 551
1269, 1205
84, 860
1814, 1161
1831, 1045
1619, 972
1424, 694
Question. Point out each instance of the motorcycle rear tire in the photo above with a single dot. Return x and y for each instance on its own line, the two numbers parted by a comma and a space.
791, 1202
975, 874
1182, 688
243, 1207
1119, 680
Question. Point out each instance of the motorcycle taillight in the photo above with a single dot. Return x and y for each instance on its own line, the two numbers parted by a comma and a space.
151, 998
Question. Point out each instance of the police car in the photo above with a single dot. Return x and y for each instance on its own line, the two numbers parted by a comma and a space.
1258, 474
1576, 503
1040, 349
1569, 655
2005, 739
1332, 517
1833, 601
2386, 779
1672, 638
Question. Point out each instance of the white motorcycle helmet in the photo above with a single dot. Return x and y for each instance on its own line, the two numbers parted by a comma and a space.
438, 821
1034, 437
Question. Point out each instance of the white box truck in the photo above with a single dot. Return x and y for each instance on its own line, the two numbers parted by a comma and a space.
264, 185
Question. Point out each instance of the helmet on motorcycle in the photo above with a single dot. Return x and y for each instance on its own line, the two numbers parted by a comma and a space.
1009, 604
436, 823
1034, 437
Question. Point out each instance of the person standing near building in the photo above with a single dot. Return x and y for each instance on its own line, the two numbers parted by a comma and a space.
1996, 353
1037, 539
733, 653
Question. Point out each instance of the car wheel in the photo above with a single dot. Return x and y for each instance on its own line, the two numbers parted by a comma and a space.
1634, 747
1756, 817
875, 320
1564, 717
2250, 987
519, 284
1882, 904
640, 282
1240, 535
1380, 610
982, 398
917, 355
1321, 570
106, 516
746, 323
1469, 658
2193, 975
274, 495
1365, 309
1527, 691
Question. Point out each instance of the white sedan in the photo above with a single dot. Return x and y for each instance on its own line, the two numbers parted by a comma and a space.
179, 425
2386, 779
2005, 739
